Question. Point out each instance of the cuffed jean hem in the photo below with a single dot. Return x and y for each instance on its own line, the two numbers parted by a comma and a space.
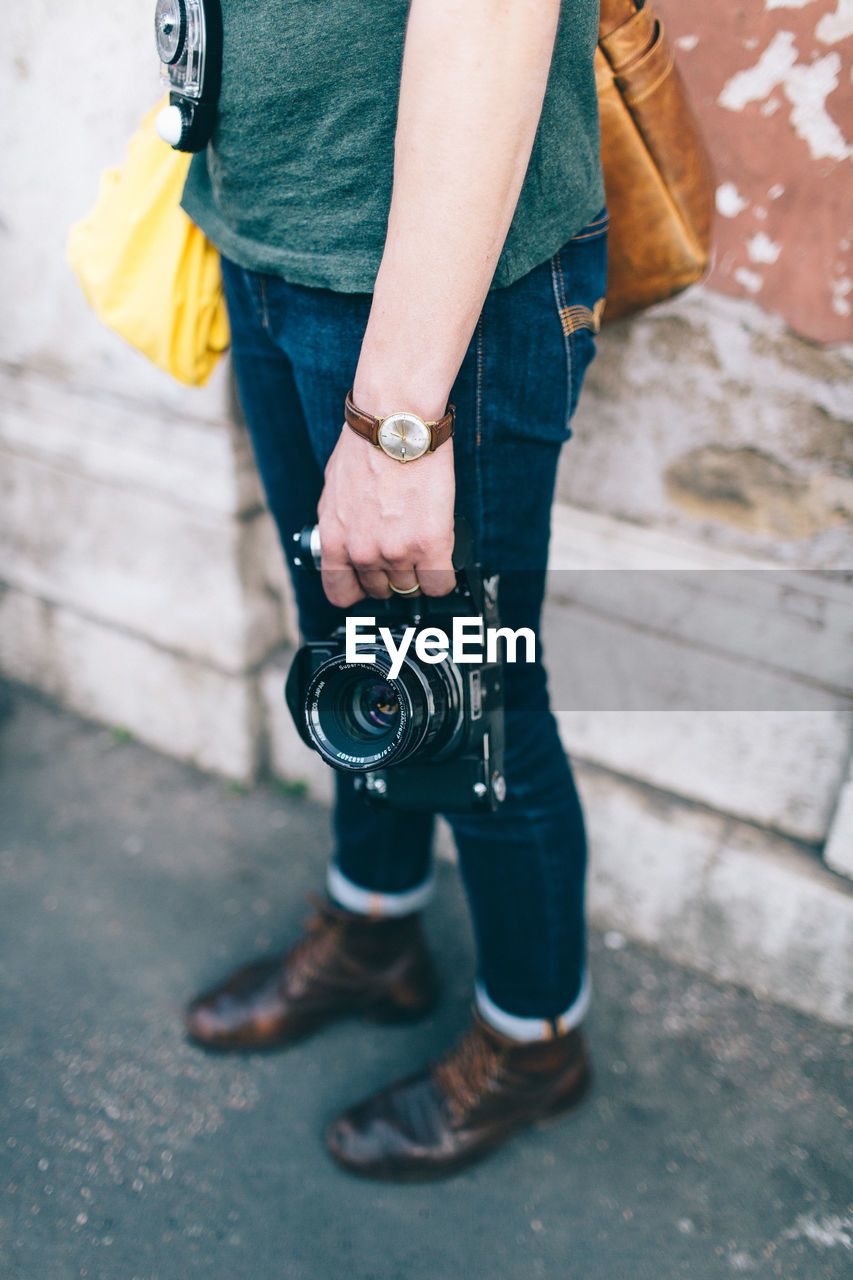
529, 1029
379, 906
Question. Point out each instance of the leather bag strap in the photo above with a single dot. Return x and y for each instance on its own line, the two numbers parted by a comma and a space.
613, 13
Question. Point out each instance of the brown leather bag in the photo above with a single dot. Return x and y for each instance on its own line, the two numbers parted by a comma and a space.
657, 173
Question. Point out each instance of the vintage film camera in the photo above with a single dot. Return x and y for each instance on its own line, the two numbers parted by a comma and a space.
188, 34
429, 738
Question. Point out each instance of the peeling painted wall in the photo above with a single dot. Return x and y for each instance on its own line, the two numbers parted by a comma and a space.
709, 418
772, 83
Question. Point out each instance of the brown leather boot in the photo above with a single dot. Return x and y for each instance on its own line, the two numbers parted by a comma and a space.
346, 964
483, 1090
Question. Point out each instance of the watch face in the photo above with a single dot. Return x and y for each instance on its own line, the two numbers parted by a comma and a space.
404, 436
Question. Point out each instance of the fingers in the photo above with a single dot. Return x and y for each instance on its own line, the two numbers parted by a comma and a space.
436, 581
375, 582
403, 579
352, 568
338, 575
434, 565
426, 564
377, 570
341, 585
351, 572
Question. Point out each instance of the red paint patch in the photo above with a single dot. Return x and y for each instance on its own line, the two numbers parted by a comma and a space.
801, 204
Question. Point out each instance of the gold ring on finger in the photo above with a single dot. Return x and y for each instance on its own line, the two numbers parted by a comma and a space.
404, 591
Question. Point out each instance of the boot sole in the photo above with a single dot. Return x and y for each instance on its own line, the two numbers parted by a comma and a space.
435, 1172
382, 1012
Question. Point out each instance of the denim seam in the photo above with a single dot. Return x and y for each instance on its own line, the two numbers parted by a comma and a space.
552, 949
559, 283
262, 298
479, 384
559, 289
478, 433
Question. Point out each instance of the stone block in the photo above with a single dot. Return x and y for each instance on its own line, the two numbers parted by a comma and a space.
172, 703
701, 672
781, 770
196, 460
797, 625
719, 895
838, 853
203, 585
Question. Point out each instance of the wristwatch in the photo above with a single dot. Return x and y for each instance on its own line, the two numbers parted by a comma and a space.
403, 436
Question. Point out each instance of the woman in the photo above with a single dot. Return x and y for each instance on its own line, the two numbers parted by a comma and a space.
408, 200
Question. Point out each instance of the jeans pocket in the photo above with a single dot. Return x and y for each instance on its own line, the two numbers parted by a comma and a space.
578, 277
536, 339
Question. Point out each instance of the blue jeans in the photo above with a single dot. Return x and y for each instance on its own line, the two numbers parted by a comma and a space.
295, 351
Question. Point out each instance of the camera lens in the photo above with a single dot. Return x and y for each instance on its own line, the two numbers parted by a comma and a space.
360, 719
371, 707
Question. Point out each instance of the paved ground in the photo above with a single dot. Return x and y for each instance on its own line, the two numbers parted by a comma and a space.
717, 1141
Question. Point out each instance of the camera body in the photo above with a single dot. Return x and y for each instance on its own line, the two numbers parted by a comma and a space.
188, 34
416, 731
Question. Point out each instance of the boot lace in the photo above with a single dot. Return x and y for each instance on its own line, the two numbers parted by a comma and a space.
464, 1073
308, 956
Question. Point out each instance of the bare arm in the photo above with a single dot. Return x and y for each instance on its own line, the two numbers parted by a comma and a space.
474, 77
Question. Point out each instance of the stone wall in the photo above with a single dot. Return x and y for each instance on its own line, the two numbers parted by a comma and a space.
142, 583
711, 419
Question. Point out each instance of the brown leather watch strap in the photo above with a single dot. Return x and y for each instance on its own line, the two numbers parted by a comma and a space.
368, 427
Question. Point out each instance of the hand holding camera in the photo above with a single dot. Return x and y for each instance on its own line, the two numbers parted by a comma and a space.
386, 526
407, 695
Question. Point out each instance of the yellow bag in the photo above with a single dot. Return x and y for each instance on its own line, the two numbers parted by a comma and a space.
147, 270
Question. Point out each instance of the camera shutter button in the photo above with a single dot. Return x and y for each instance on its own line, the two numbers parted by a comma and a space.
171, 124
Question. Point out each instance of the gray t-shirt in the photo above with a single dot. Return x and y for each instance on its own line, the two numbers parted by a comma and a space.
297, 178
